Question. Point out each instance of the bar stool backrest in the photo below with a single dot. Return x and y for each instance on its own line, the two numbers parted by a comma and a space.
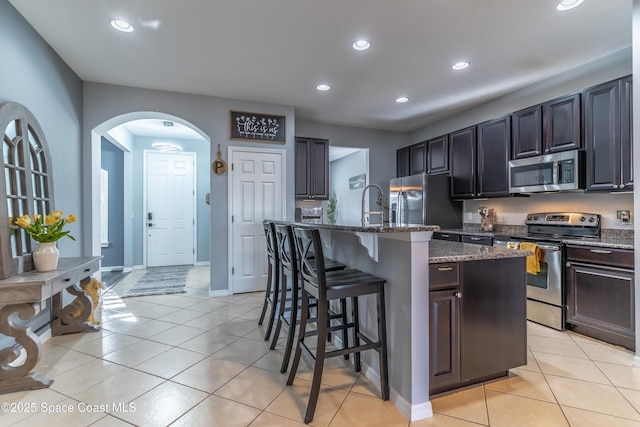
286, 247
272, 249
309, 250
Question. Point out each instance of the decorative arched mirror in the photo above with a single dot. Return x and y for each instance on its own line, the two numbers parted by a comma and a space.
27, 181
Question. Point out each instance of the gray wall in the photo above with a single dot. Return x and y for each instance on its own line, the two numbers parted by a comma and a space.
32, 74
209, 114
349, 200
203, 212
112, 161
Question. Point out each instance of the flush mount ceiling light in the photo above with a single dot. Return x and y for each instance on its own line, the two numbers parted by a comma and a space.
568, 4
460, 65
323, 87
166, 147
121, 25
402, 99
361, 45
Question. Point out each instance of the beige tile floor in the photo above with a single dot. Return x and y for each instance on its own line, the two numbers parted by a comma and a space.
192, 360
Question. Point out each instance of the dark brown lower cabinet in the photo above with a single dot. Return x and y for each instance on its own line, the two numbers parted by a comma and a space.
600, 294
444, 338
478, 328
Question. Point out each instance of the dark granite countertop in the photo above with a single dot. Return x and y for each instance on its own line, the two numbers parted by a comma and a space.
367, 228
444, 251
614, 243
611, 238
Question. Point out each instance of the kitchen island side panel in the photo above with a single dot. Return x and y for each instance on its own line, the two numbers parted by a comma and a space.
403, 262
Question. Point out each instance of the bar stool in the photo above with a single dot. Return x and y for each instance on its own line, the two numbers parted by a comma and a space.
289, 273
350, 283
273, 278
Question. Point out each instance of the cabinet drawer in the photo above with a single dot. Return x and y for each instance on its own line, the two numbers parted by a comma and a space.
478, 240
600, 255
443, 276
64, 281
446, 236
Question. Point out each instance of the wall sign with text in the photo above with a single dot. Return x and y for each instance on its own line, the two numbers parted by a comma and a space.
257, 127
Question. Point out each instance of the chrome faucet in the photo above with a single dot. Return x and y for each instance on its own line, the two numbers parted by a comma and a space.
380, 196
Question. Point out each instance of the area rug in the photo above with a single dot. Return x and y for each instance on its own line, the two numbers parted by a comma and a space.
160, 281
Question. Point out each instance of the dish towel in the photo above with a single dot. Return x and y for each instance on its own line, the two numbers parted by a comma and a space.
533, 261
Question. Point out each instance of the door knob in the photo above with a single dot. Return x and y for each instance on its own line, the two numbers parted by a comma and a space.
150, 225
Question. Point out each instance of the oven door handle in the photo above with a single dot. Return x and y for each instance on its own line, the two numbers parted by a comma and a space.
549, 247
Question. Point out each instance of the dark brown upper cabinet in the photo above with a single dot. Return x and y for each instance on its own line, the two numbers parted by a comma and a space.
312, 168
547, 128
438, 155
494, 147
418, 158
526, 132
480, 159
402, 162
462, 153
561, 124
607, 134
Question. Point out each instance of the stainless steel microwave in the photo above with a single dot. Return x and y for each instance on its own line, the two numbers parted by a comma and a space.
563, 171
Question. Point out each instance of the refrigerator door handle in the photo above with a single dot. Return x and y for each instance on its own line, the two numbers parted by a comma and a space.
402, 206
399, 208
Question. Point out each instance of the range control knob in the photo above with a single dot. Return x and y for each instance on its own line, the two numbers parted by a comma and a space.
591, 219
529, 218
535, 218
582, 219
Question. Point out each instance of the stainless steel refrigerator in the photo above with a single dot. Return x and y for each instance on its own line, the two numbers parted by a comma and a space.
423, 199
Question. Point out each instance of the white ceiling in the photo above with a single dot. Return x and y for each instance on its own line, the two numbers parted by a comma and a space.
277, 51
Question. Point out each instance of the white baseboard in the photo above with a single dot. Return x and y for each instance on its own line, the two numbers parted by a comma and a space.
411, 412
219, 293
46, 335
112, 268
138, 267
201, 263
636, 361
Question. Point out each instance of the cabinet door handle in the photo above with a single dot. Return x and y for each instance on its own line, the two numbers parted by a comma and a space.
568, 264
615, 186
445, 268
458, 295
446, 236
475, 238
600, 251
621, 186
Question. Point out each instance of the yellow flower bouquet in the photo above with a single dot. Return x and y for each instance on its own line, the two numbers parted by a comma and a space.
48, 230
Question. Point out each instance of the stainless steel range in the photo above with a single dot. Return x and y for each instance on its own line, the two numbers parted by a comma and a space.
545, 290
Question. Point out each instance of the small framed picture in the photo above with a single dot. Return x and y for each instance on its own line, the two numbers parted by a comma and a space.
257, 127
357, 181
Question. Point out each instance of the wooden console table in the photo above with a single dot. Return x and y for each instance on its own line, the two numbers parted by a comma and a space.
21, 296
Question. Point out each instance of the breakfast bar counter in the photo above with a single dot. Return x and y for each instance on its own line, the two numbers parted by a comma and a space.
402, 256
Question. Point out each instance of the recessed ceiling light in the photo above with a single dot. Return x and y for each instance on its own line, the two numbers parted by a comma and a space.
568, 4
323, 87
460, 65
361, 45
121, 25
402, 99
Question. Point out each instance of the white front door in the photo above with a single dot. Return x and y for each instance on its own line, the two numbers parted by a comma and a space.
170, 219
257, 188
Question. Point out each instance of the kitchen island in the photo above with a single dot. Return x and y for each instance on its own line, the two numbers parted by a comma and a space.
401, 255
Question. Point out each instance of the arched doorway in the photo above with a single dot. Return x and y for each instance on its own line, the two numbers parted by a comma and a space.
125, 138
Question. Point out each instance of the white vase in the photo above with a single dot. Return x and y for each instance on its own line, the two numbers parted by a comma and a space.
45, 257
